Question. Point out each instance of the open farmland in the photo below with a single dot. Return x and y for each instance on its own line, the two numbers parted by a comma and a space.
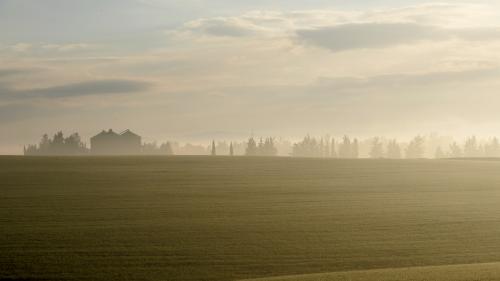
461, 272
221, 218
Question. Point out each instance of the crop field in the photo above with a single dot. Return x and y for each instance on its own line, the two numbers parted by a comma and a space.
461, 272
223, 218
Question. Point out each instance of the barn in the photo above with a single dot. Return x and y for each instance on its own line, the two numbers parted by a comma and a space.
112, 143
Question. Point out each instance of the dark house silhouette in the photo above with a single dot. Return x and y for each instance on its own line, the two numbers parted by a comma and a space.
111, 143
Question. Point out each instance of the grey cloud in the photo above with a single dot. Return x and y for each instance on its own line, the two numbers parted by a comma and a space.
80, 89
367, 35
408, 80
381, 35
7, 72
479, 34
221, 27
18, 112
226, 29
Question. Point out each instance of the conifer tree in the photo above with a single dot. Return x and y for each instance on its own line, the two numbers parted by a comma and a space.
393, 150
345, 148
214, 152
377, 150
455, 151
355, 149
333, 150
415, 149
251, 149
167, 148
439, 153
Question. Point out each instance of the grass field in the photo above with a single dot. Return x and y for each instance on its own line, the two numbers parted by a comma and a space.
216, 218
462, 272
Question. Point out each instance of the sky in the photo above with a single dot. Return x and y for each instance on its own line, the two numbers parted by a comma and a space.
194, 70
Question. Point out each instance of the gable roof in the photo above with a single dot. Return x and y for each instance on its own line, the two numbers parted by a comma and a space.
128, 133
105, 133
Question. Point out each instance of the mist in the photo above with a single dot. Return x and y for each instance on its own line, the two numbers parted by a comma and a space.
244, 140
287, 70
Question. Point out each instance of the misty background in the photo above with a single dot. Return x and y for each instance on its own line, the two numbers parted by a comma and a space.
194, 71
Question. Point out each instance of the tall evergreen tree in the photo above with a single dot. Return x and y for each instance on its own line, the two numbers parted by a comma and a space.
59, 145
377, 150
327, 147
492, 149
251, 149
455, 151
355, 149
167, 149
268, 148
333, 150
393, 150
345, 148
471, 148
214, 151
439, 153
261, 148
415, 149
321, 151
44, 144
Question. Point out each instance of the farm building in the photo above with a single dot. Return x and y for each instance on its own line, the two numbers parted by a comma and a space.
111, 143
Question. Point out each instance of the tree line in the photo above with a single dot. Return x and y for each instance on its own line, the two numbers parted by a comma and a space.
73, 145
321, 147
58, 145
472, 148
326, 147
265, 147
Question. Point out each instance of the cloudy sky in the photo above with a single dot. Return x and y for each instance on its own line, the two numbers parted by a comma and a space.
196, 69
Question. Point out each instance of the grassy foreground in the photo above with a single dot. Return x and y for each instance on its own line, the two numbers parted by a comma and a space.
462, 272
203, 218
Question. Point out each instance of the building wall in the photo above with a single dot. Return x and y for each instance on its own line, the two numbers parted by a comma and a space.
114, 144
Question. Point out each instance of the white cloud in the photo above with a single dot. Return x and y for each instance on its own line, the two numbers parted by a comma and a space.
399, 69
21, 47
381, 35
442, 15
66, 47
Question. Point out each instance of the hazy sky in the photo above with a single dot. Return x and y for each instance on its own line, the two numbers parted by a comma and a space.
196, 69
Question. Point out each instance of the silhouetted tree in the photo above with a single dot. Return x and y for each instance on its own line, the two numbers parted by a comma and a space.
377, 150
326, 150
269, 148
260, 148
345, 148
309, 147
214, 151
471, 148
321, 148
44, 144
439, 153
251, 149
333, 150
31, 150
492, 149
415, 149
455, 151
150, 148
393, 150
59, 145
167, 149
355, 149
72, 144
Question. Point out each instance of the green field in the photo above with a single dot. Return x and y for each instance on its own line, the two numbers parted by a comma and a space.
461, 272
217, 218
